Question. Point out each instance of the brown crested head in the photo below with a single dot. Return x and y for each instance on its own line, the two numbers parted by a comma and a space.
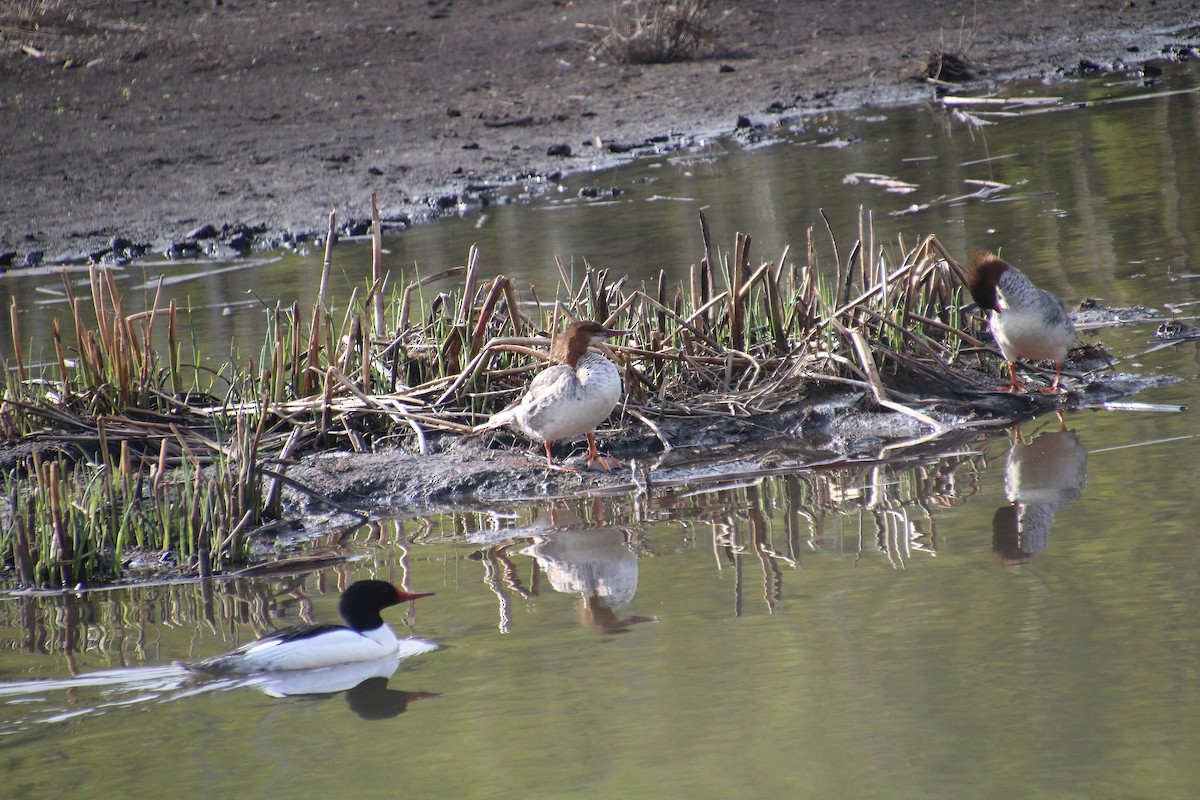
983, 275
568, 346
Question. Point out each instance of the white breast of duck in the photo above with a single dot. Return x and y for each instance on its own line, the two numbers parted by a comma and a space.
563, 401
1027, 321
1030, 322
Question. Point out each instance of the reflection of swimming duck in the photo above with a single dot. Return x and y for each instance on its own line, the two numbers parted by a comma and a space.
1027, 321
365, 637
1041, 477
570, 398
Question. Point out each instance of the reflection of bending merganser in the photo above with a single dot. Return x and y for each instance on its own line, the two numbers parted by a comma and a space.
1041, 477
570, 398
365, 637
1027, 321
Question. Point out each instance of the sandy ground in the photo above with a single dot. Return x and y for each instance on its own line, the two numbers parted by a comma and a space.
148, 120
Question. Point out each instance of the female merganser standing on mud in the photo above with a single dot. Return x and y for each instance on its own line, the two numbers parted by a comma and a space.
1027, 321
312, 646
570, 398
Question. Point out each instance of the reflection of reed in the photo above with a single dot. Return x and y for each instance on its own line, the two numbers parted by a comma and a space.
770, 518
123, 626
897, 500
126, 626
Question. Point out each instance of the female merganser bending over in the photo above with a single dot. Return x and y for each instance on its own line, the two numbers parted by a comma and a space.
570, 398
1027, 321
312, 646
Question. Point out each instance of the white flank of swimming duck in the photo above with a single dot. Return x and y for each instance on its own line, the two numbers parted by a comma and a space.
569, 398
1027, 322
364, 637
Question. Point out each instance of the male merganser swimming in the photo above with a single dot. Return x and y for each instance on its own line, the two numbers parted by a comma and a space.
1026, 321
312, 646
570, 398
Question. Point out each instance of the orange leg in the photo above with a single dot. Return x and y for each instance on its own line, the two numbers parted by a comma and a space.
597, 461
1014, 384
550, 460
1054, 387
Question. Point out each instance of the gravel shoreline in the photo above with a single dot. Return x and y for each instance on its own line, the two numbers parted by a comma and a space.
169, 122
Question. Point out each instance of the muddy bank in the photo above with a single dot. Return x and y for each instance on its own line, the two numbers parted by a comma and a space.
828, 426
178, 122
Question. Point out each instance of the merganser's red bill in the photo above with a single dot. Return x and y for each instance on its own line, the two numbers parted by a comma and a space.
403, 596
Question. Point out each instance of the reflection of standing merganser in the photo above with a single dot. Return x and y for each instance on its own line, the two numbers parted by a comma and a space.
588, 562
1041, 477
597, 565
570, 398
365, 637
1027, 321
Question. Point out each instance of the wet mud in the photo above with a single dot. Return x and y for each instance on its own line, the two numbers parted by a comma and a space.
183, 127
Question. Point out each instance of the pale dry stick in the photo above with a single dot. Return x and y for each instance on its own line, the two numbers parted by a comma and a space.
670, 313
466, 305
878, 390
327, 266
858, 301
377, 277
653, 428
516, 344
285, 455
562, 274
406, 302
737, 268
961, 334
748, 285
312, 494
908, 335
370, 403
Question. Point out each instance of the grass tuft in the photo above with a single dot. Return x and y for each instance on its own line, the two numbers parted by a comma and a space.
135, 449
655, 32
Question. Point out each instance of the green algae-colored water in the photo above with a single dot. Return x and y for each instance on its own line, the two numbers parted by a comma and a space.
881, 632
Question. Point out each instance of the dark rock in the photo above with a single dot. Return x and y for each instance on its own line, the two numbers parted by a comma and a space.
1088, 67
242, 242
33, 258
453, 112
6, 258
205, 231
744, 122
596, 191
619, 147
374, 171
119, 243
446, 201
726, 68
182, 250
357, 227
471, 146
560, 150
